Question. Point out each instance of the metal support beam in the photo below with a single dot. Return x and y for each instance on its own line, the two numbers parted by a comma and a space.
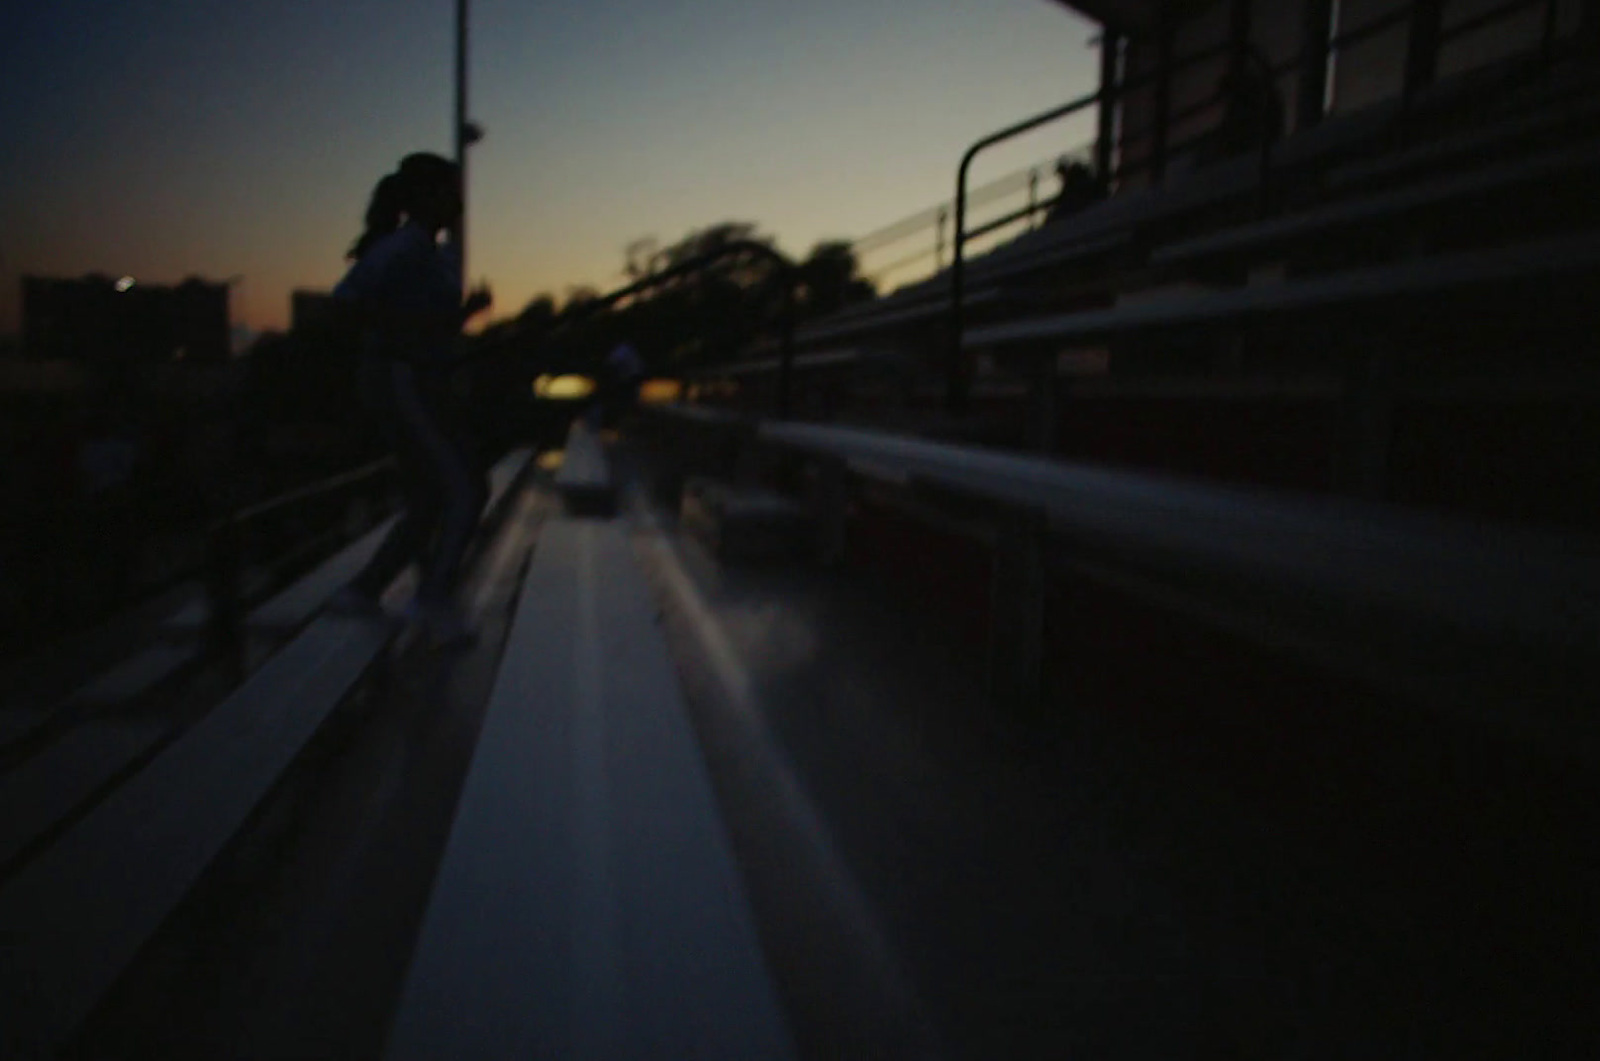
1161, 117
830, 495
459, 235
1239, 31
1362, 468
1016, 622
225, 607
1045, 387
1589, 27
1106, 115
1422, 45
1316, 29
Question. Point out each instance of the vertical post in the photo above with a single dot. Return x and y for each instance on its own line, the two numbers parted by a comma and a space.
225, 619
1105, 117
1016, 627
1422, 45
1163, 103
830, 484
1033, 198
1369, 410
957, 384
459, 235
1547, 37
786, 345
938, 236
1044, 401
1315, 33
1239, 30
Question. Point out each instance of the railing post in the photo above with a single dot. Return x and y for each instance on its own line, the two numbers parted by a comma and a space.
225, 619
1547, 38
830, 485
1239, 28
1016, 620
786, 346
1362, 461
1163, 104
938, 237
1315, 31
1105, 118
1033, 198
1422, 45
958, 383
1045, 385
1268, 137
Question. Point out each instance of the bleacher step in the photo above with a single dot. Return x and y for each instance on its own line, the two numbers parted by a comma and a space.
74, 918
588, 904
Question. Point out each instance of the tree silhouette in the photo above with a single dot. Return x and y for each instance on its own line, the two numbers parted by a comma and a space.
704, 317
828, 279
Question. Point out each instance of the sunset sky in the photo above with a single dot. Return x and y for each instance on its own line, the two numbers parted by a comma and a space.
163, 138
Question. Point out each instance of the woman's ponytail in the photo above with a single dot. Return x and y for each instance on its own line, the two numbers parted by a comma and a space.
383, 214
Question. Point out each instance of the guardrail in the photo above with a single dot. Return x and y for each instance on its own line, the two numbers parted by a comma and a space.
931, 227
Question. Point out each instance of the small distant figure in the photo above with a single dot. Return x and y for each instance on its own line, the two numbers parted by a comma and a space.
1079, 190
623, 374
404, 292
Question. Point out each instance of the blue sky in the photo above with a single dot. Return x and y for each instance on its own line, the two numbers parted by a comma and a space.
164, 138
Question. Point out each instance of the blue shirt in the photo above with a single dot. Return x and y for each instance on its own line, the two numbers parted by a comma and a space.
408, 270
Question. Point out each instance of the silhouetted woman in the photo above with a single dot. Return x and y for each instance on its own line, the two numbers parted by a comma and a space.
404, 291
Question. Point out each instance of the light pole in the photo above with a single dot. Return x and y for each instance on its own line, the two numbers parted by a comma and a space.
466, 133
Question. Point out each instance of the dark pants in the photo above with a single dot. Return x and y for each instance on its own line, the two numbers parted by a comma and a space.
617, 401
444, 489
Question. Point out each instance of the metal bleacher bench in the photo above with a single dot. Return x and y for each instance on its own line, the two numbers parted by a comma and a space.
1447, 193
1346, 290
588, 904
73, 918
1494, 627
584, 478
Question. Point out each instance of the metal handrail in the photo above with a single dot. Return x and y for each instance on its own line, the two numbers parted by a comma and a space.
787, 272
935, 218
955, 398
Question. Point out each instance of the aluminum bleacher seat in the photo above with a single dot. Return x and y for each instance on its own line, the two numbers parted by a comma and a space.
74, 916
588, 904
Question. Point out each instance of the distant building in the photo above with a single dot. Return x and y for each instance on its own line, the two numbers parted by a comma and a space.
99, 321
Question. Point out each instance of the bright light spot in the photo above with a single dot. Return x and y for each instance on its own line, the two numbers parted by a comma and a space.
563, 388
125, 283
660, 391
551, 459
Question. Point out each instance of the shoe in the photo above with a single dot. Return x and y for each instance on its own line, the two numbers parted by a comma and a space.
355, 603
